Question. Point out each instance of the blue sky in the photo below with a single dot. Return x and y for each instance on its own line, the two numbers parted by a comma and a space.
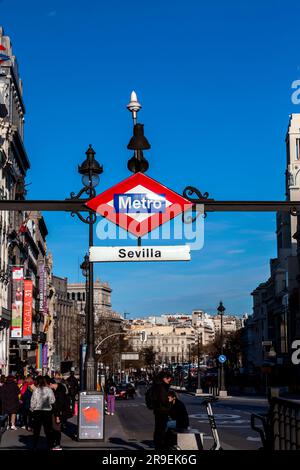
214, 79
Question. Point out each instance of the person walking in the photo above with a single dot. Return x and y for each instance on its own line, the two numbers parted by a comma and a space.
60, 409
73, 386
161, 407
41, 406
111, 398
10, 400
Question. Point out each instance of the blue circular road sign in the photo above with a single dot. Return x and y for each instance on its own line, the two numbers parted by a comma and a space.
222, 358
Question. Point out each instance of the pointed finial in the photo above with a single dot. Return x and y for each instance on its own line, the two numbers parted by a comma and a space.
134, 106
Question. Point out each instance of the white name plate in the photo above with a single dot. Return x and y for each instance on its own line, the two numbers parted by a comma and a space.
140, 253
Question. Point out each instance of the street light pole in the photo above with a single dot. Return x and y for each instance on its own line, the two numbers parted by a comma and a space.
90, 171
222, 389
199, 390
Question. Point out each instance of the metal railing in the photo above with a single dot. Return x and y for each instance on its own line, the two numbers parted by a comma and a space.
280, 427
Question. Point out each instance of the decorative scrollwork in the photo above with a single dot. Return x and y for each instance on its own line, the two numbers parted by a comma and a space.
188, 218
90, 219
90, 191
294, 211
189, 191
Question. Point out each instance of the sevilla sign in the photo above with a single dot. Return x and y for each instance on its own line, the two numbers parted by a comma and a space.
139, 204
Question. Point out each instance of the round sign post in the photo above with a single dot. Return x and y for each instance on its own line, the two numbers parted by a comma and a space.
222, 358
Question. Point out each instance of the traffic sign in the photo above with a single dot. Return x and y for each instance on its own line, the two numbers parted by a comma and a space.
139, 204
138, 253
222, 358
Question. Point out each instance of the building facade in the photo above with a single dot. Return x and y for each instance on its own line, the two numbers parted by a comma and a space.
270, 330
22, 234
102, 300
67, 326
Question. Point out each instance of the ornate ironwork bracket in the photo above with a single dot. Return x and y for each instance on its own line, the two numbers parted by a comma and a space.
90, 219
90, 191
199, 198
294, 211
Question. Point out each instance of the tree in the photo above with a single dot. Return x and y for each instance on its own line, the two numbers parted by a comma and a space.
148, 357
111, 348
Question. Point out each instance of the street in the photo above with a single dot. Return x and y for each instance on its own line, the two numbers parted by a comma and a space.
132, 426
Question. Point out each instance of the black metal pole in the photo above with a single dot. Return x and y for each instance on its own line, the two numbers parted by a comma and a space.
90, 362
189, 368
198, 371
222, 382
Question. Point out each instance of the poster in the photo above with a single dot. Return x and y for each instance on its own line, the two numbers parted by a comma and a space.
91, 416
17, 301
27, 310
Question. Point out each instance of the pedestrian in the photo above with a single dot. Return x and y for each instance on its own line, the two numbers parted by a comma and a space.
73, 386
111, 398
26, 394
2, 382
10, 400
178, 412
161, 407
41, 406
60, 409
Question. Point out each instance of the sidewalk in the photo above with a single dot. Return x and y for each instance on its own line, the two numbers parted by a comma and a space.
114, 438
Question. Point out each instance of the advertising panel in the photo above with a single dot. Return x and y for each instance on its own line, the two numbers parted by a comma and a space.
27, 310
91, 416
17, 301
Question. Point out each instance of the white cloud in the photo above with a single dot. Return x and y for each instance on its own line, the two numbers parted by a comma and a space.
235, 252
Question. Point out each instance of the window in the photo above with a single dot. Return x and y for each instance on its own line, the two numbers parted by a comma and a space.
73, 295
83, 296
78, 296
298, 149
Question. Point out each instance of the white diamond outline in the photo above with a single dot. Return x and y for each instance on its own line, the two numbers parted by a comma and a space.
141, 189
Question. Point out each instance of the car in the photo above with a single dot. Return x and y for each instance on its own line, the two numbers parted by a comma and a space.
130, 389
121, 392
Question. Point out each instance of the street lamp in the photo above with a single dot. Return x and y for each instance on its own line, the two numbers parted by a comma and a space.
222, 389
199, 389
90, 170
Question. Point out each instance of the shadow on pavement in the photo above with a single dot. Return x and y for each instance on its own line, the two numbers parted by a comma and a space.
126, 444
28, 442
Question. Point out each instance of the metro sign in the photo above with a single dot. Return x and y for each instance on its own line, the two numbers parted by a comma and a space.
139, 204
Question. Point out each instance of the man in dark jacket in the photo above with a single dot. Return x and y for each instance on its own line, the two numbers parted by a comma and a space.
178, 412
10, 400
60, 408
161, 408
73, 387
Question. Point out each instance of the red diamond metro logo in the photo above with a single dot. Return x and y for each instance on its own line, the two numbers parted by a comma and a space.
139, 204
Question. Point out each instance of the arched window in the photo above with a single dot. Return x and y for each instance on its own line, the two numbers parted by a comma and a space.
73, 295
78, 296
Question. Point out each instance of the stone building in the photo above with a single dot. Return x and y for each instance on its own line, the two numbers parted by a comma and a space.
269, 332
102, 299
67, 326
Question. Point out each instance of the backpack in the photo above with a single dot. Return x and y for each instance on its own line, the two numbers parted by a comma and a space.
149, 398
